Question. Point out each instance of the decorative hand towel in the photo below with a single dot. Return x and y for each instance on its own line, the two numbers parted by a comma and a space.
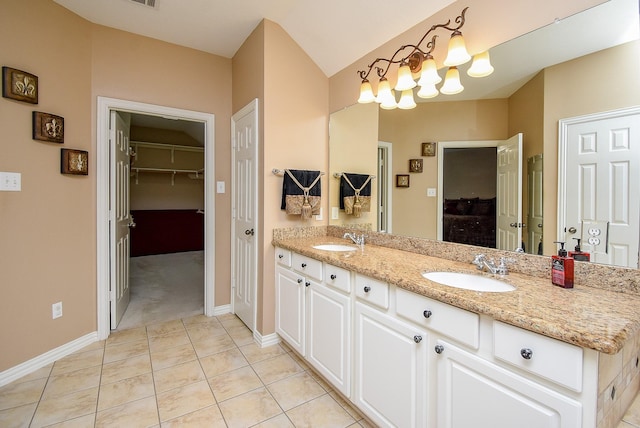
355, 193
301, 192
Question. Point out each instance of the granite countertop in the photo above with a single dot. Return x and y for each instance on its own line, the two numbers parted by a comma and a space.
585, 316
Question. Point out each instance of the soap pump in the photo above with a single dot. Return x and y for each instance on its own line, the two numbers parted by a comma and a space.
562, 268
578, 254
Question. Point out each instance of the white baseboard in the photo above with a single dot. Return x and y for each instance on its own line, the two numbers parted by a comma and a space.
221, 310
264, 341
49, 357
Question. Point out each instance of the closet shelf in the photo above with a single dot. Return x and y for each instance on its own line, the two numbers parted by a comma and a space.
172, 147
192, 173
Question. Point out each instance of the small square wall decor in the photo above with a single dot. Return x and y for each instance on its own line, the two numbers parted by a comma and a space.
415, 165
428, 149
402, 180
19, 85
48, 127
74, 162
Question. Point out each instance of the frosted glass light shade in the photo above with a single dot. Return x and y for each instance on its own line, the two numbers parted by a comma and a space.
428, 91
481, 65
366, 93
384, 91
429, 75
405, 79
452, 83
457, 53
406, 100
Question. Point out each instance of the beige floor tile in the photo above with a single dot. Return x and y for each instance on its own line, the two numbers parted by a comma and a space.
209, 417
353, 412
180, 354
233, 383
280, 421
320, 412
165, 328
123, 369
61, 408
87, 421
76, 361
19, 394
249, 409
202, 332
222, 362
241, 335
298, 359
623, 424
129, 335
122, 351
99, 345
323, 383
141, 413
200, 319
176, 376
364, 424
632, 415
17, 416
186, 399
295, 390
125, 390
170, 340
276, 368
43, 372
213, 345
253, 353
68, 382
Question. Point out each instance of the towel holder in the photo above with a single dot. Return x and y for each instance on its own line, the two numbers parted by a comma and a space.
339, 174
277, 171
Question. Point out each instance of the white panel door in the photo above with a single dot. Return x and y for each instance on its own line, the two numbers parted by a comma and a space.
120, 220
534, 217
601, 187
244, 186
509, 198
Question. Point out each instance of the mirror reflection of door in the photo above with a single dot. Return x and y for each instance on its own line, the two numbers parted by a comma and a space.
534, 208
384, 186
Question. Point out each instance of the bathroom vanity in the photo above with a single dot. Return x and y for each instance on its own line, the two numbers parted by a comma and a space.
410, 352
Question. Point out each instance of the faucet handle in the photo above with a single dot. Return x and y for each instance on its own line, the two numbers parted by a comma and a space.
502, 269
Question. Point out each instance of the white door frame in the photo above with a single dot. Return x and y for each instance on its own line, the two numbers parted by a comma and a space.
105, 105
388, 203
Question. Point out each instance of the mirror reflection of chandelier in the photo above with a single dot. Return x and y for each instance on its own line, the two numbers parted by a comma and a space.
420, 62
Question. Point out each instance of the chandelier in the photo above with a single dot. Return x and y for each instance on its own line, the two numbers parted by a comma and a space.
420, 62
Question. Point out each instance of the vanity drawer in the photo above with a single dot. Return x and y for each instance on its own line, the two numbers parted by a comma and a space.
455, 323
372, 290
283, 257
337, 277
307, 266
552, 359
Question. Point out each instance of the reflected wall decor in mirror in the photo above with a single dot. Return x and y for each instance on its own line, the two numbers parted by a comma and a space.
585, 64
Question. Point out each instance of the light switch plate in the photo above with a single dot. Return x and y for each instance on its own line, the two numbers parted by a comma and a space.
10, 181
431, 192
219, 186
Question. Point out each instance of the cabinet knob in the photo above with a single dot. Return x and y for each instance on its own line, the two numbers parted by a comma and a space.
307, 284
333, 276
427, 313
417, 338
439, 349
304, 265
299, 280
367, 288
280, 256
526, 353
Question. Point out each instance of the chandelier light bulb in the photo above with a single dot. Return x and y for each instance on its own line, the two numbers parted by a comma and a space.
406, 100
385, 96
405, 79
429, 75
366, 93
457, 54
452, 83
428, 91
481, 66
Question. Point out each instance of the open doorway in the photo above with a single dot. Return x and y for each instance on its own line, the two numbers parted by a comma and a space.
108, 272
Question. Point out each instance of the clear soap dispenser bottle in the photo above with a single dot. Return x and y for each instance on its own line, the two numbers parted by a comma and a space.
562, 268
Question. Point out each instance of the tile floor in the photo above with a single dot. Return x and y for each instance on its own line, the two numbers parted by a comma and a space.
192, 372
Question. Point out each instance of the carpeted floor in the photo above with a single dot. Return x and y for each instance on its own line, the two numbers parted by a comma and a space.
164, 287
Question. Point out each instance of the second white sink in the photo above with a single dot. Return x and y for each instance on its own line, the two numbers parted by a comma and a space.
335, 247
469, 281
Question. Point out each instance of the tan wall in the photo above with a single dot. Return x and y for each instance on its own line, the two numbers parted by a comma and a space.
414, 213
47, 231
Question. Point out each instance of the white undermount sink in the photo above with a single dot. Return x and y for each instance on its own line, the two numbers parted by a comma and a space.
335, 247
468, 281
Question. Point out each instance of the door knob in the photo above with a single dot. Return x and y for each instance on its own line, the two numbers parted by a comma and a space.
249, 232
132, 224
572, 230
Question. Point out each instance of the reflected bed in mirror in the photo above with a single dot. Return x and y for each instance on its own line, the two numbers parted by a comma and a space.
565, 83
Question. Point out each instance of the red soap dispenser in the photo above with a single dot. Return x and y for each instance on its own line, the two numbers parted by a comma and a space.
562, 268
578, 254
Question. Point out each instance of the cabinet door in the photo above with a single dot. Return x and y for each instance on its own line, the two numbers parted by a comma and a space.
329, 335
290, 308
390, 369
473, 392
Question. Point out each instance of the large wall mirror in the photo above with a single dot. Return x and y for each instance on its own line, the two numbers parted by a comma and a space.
585, 64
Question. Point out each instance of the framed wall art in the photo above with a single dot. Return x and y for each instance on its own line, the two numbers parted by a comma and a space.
415, 165
19, 85
428, 149
402, 180
74, 162
48, 127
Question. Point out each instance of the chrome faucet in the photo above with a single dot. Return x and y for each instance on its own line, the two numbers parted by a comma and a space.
358, 240
481, 261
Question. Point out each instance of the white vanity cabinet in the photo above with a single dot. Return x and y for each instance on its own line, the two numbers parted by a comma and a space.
290, 308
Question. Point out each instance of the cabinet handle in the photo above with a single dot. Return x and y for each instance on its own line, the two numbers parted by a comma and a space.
427, 313
307, 284
304, 265
299, 280
333, 276
367, 288
280, 256
439, 349
526, 353
417, 338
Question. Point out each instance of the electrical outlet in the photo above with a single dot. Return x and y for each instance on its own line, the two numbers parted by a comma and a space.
56, 310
